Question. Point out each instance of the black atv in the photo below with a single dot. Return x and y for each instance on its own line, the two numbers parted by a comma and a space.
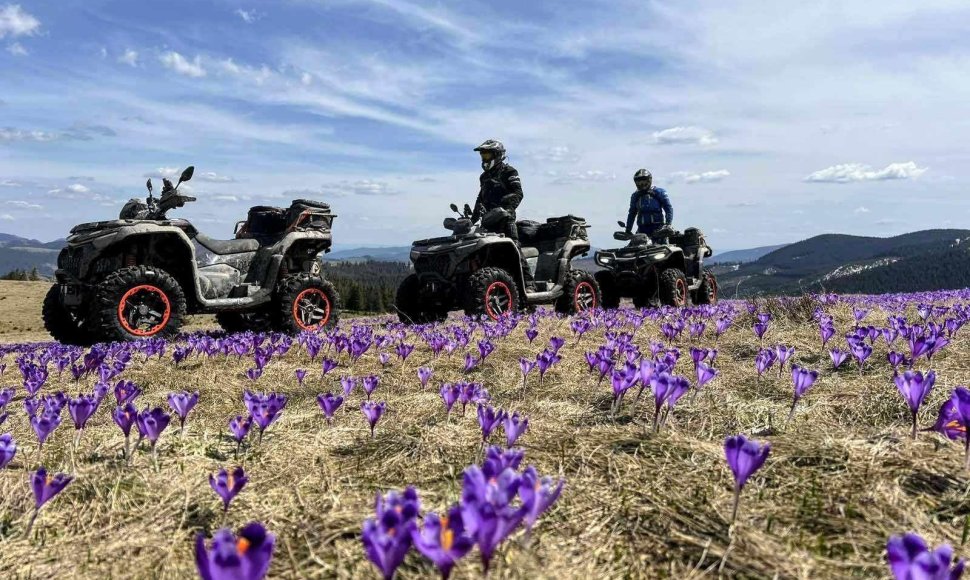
140, 275
665, 270
480, 272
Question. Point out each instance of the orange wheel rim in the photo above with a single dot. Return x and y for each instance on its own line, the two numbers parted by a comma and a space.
311, 309
682, 292
144, 310
498, 300
584, 297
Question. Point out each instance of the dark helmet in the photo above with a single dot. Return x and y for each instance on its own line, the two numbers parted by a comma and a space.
496, 149
643, 179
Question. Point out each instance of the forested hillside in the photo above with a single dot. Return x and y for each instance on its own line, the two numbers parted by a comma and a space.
366, 286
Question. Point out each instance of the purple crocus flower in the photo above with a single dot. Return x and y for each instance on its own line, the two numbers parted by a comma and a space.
8, 448
348, 384
126, 392
182, 402
254, 373
895, 359
6, 395
744, 457
151, 423
526, 366
783, 353
909, 558
488, 419
763, 361
538, 494
545, 360
424, 375
760, 328
486, 510
514, 426
861, 352
240, 426
329, 405
443, 540
264, 409
300, 375
556, 343
838, 357
44, 424
371, 383
915, 387
450, 394
246, 557
45, 488
803, 379
328, 365
961, 400
705, 374
81, 410
531, 334
228, 484
404, 350
124, 417
387, 537
470, 362
373, 412
826, 331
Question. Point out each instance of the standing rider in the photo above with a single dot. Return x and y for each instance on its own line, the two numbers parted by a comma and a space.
500, 188
649, 205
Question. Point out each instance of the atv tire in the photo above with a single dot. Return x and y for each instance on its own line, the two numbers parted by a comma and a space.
64, 324
491, 292
580, 293
306, 302
410, 306
673, 288
609, 293
253, 320
706, 293
137, 302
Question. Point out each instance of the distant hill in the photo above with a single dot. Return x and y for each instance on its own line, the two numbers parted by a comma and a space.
742, 256
17, 253
381, 254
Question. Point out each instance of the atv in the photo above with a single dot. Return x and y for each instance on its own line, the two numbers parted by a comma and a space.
140, 275
664, 269
480, 272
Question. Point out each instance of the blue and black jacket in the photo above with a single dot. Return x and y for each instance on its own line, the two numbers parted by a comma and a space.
651, 210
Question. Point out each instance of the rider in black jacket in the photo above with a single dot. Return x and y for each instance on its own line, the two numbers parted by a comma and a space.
500, 187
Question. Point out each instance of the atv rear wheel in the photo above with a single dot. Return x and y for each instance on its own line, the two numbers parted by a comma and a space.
491, 292
410, 305
306, 302
707, 292
581, 293
138, 302
254, 320
609, 293
63, 323
673, 288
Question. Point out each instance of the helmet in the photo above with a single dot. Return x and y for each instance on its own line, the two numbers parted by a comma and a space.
497, 150
643, 176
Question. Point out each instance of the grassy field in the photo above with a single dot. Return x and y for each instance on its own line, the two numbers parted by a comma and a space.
841, 478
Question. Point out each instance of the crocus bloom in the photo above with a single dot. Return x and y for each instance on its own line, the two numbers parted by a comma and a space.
838, 357
514, 426
803, 380
531, 334
961, 400
240, 426
45, 488
265, 409
744, 457
182, 403
373, 412
300, 375
760, 328
486, 509
329, 405
44, 424
348, 384
705, 374
246, 557
538, 494
371, 383
125, 392
909, 558
8, 448
328, 365
387, 537
228, 484
151, 423
449, 394
915, 387
488, 419
81, 410
783, 353
526, 366
424, 375
443, 540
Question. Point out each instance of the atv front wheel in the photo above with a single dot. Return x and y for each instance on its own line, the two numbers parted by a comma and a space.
707, 292
491, 292
580, 294
673, 288
306, 302
609, 293
411, 307
138, 302
63, 323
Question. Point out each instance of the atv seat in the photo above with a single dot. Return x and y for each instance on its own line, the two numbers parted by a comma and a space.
223, 247
529, 252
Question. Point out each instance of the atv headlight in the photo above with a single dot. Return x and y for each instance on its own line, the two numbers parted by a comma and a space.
656, 256
604, 259
414, 255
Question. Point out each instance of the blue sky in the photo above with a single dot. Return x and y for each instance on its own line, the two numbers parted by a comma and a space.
766, 122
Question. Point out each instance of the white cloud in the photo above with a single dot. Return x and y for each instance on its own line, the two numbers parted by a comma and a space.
554, 154
103, 53
169, 172
589, 176
231, 198
13, 134
854, 172
130, 57
704, 177
861, 209
9, 183
213, 177
306, 78
15, 22
23, 204
255, 75
685, 135
78, 188
181, 65
17, 49
359, 187
248, 16
6, 217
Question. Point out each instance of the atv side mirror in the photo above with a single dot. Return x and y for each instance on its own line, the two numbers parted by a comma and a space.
454, 208
621, 224
186, 175
148, 184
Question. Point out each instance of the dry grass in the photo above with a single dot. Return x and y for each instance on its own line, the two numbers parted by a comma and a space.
841, 479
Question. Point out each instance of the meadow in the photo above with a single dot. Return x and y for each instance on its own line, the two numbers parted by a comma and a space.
642, 497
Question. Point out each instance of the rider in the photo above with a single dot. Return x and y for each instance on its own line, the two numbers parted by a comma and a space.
649, 205
500, 187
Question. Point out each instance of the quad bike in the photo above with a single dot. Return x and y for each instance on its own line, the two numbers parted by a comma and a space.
480, 271
664, 269
140, 275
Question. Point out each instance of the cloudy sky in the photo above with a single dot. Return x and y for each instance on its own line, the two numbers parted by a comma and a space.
767, 122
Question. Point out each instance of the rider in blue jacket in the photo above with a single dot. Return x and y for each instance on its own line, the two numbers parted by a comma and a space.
649, 205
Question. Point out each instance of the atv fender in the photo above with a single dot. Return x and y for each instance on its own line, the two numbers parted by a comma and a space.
502, 254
